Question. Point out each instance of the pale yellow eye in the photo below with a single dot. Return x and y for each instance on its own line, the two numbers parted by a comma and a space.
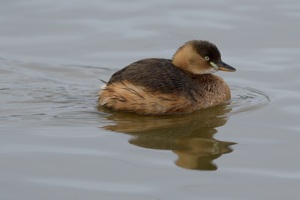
206, 58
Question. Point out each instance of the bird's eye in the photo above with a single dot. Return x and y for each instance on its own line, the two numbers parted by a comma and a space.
206, 58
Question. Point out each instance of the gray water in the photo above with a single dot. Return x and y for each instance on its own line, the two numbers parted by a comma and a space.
56, 143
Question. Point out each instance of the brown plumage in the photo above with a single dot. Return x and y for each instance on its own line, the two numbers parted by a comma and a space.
156, 86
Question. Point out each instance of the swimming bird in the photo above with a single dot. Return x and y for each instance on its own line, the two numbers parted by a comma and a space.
158, 86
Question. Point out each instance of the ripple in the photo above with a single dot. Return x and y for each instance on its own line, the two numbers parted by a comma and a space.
245, 99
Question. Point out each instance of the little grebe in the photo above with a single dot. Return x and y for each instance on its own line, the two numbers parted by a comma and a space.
157, 86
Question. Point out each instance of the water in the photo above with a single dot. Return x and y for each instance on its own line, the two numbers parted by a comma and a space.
56, 144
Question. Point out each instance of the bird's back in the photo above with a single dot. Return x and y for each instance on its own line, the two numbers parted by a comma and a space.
154, 74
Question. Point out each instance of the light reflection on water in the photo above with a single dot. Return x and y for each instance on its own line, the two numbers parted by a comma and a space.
189, 136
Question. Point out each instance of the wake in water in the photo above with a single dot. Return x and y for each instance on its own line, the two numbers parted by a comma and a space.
245, 99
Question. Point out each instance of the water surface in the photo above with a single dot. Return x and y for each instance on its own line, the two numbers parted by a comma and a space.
56, 144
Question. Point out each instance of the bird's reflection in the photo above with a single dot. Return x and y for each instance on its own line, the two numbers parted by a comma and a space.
189, 136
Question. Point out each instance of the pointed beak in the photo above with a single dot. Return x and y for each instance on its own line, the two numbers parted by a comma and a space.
224, 67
